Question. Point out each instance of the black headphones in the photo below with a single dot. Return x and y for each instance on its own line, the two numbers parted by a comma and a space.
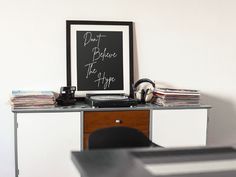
143, 95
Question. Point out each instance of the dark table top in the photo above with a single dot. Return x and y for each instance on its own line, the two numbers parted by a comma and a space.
157, 162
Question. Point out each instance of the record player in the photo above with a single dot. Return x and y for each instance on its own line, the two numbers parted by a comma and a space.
110, 100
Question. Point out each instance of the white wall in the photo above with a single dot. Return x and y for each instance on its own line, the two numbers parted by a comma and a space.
182, 43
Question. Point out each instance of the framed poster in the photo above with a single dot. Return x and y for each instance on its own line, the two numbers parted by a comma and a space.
100, 57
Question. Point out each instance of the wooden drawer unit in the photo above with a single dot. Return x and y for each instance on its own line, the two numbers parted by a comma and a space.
95, 120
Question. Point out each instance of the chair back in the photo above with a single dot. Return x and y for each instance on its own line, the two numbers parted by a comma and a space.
117, 137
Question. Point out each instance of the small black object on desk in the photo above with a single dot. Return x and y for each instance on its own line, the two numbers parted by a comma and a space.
67, 96
157, 162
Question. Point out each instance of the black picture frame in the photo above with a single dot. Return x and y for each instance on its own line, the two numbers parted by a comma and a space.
109, 41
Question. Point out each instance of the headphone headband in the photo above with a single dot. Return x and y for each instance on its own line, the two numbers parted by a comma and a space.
143, 80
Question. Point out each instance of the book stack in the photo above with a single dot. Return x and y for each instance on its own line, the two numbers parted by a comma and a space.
176, 97
33, 99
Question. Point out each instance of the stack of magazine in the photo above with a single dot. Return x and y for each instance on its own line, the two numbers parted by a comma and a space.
33, 99
176, 97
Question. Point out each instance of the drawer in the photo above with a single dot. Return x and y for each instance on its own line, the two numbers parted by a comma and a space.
133, 119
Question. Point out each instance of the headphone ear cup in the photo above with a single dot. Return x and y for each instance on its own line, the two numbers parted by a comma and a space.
143, 94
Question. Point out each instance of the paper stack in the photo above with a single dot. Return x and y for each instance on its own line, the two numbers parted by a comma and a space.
33, 99
176, 97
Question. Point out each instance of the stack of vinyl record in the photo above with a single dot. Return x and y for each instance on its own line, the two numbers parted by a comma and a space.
176, 97
33, 99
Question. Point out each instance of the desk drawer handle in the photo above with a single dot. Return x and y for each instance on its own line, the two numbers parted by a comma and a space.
118, 121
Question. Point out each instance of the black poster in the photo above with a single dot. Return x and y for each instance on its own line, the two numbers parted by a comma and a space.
99, 60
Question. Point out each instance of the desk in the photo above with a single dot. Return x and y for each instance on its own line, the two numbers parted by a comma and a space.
150, 162
38, 132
